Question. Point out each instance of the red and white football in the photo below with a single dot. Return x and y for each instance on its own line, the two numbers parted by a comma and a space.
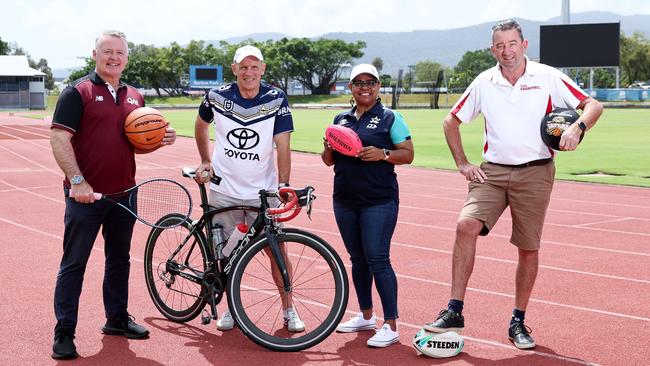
343, 140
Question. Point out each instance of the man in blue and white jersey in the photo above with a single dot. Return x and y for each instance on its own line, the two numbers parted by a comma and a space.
250, 117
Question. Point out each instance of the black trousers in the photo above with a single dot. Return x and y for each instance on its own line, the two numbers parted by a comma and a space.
82, 224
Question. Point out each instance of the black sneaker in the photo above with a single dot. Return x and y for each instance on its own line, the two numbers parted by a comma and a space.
63, 347
519, 334
447, 321
126, 326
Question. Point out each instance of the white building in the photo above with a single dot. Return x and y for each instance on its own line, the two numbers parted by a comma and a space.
20, 85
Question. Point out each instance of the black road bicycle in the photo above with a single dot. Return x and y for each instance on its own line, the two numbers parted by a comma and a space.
185, 271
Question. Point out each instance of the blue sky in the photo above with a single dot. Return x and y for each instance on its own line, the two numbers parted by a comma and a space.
63, 31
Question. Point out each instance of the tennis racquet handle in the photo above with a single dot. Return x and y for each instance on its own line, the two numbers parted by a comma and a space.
98, 196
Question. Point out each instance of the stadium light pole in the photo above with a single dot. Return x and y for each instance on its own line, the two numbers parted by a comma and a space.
566, 12
565, 18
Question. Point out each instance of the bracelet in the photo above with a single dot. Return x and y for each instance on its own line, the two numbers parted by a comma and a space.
280, 185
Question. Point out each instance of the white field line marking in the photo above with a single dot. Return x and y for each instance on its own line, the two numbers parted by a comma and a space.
579, 226
45, 136
498, 259
605, 221
508, 237
540, 266
478, 340
57, 172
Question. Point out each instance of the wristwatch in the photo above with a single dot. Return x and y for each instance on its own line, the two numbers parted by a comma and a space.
76, 179
582, 126
386, 154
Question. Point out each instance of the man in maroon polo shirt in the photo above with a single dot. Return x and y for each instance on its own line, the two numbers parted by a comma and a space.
91, 149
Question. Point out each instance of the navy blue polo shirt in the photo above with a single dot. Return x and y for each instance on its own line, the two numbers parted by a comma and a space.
88, 111
363, 184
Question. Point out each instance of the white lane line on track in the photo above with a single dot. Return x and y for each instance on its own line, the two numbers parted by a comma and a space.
515, 262
605, 221
418, 279
543, 241
401, 323
595, 274
41, 134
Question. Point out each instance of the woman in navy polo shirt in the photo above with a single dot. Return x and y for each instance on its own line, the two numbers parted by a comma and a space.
366, 200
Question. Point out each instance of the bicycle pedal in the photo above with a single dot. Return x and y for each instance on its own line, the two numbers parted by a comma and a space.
205, 318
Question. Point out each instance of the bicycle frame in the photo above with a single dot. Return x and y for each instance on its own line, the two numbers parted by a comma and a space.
263, 222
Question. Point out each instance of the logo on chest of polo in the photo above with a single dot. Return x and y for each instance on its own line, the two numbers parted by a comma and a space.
99, 98
372, 124
132, 101
529, 87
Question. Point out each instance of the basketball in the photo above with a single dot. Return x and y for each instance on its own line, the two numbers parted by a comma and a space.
555, 123
145, 128
343, 140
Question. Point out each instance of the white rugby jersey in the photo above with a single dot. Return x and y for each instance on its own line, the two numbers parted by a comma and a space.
513, 114
243, 158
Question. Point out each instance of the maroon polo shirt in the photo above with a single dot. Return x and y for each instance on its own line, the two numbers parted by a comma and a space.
87, 109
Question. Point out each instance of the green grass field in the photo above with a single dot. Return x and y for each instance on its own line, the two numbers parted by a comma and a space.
619, 145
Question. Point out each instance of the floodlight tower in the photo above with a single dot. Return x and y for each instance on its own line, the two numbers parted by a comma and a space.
566, 12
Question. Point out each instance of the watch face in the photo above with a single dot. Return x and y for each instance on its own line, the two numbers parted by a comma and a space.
76, 179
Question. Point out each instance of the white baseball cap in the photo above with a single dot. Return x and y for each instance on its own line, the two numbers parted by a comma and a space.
245, 51
364, 69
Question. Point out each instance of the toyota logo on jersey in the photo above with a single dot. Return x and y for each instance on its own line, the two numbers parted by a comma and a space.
243, 138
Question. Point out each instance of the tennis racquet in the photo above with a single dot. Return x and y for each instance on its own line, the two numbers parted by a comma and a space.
153, 199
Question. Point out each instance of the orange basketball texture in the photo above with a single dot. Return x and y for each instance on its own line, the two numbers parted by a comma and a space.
145, 128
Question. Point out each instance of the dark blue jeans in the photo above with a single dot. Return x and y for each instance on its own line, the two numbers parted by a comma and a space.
82, 224
366, 232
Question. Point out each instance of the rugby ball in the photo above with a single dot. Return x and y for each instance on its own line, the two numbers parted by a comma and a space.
343, 139
438, 345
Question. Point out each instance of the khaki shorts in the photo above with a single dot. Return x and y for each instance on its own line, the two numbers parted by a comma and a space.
526, 190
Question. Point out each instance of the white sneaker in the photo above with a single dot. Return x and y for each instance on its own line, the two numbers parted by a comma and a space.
358, 323
294, 324
226, 322
384, 337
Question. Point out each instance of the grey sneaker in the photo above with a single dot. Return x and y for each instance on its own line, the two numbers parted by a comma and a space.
226, 322
446, 321
519, 334
294, 324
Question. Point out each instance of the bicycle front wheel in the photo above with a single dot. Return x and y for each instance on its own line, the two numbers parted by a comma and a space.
174, 263
319, 291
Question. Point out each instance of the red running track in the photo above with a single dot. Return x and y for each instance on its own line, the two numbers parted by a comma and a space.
589, 306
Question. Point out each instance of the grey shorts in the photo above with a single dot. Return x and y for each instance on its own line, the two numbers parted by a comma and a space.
230, 219
526, 190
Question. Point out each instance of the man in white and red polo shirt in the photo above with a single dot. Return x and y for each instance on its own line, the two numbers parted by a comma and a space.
518, 170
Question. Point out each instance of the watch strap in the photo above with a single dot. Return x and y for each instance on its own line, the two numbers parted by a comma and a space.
582, 126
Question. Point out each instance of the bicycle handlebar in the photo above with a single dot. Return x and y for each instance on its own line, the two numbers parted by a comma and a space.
291, 203
297, 198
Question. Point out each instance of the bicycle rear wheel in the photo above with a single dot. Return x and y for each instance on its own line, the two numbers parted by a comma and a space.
319, 291
174, 263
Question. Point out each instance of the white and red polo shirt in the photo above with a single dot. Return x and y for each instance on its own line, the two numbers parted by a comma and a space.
513, 113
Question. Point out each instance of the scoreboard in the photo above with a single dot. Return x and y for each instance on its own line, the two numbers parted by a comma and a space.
205, 76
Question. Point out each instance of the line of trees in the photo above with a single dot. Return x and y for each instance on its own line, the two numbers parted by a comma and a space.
316, 64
